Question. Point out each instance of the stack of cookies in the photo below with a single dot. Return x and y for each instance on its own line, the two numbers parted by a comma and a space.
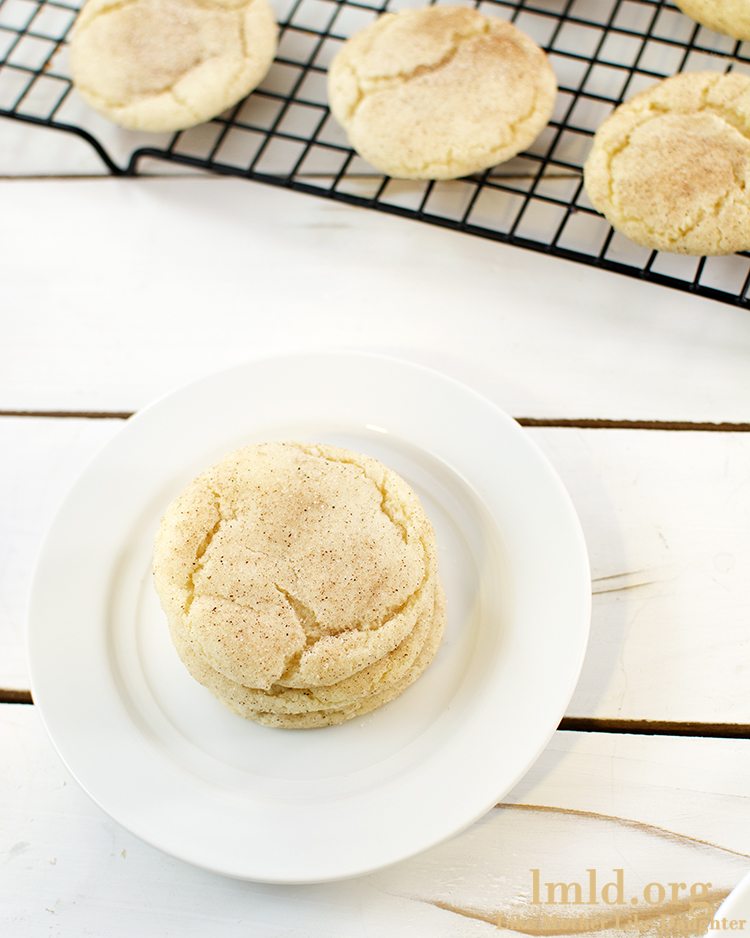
300, 583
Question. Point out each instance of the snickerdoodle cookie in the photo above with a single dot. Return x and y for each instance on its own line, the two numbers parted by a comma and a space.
725, 16
162, 65
440, 92
300, 583
671, 167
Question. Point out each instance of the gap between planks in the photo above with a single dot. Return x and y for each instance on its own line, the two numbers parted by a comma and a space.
655, 727
581, 423
570, 724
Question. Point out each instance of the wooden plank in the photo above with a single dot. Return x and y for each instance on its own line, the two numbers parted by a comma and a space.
115, 291
662, 810
665, 516
41, 460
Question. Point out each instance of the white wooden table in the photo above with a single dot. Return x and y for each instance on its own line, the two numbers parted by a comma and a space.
112, 292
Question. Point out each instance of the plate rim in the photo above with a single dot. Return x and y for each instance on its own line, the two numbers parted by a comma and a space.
734, 902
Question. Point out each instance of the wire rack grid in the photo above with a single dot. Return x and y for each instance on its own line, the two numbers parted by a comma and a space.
603, 51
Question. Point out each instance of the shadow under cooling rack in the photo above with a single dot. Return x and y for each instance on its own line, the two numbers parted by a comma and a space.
603, 51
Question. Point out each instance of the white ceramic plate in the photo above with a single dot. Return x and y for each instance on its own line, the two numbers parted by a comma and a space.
736, 907
159, 754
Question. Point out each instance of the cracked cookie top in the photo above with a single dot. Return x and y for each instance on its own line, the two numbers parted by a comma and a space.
725, 16
294, 565
161, 65
670, 168
440, 92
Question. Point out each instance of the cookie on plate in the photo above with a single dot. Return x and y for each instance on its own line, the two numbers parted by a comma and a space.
440, 92
725, 16
162, 65
670, 168
300, 583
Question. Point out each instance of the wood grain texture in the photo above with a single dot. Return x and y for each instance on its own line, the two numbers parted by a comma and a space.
199, 274
662, 810
665, 518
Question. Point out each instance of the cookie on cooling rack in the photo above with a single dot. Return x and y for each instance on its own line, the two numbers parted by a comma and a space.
440, 92
300, 583
725, 16
671, 167
162, 65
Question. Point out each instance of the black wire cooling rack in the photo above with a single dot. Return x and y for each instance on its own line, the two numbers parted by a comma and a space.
603, 51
